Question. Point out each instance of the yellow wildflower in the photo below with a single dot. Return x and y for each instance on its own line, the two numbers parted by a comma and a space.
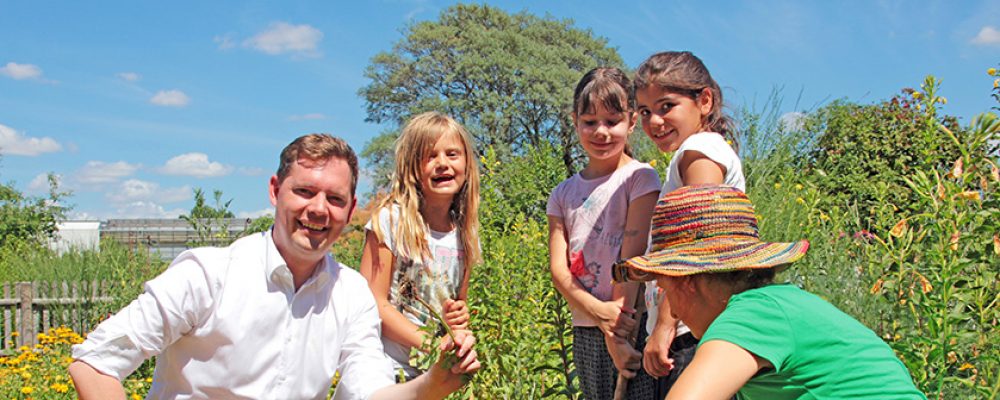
798, 186
27, 390
136, 396
942, 100
898, 229
800, 200
991, 71
149, 380
917, 95
25, 375
996, 83
970, 195
59, 387
652, 163
823, 216
777, 185
15, 334
965, 367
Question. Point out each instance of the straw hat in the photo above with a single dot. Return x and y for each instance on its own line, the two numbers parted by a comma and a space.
705, 229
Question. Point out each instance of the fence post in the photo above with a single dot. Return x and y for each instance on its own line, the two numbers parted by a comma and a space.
26, 327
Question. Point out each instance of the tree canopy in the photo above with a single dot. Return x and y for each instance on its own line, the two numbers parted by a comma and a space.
509, 78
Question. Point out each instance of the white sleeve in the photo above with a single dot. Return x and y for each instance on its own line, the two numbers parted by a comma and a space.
174, 302
364, 367
385, 217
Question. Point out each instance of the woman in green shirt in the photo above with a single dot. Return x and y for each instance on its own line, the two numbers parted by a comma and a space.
758, 339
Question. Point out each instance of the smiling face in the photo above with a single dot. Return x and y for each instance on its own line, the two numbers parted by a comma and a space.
603, 133
443, 169
668, 118
312, 205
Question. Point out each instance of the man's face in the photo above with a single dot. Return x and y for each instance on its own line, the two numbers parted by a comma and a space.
312, 205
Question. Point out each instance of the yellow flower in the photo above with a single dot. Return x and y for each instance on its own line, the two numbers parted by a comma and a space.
942, 100
966, 365
823, 216
27, 390
59, 387
800, 200
26, 375
652, 163
136, 396
970, 195
917, 95
777, 185
991, 71
149, 380
798, 186
14, 334
898, 229
996, 83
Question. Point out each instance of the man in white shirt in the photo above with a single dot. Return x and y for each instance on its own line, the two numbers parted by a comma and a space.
272, 316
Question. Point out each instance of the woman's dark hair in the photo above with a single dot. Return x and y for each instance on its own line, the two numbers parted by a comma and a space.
743, 280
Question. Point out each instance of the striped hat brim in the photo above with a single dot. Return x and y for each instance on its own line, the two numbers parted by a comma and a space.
709, 256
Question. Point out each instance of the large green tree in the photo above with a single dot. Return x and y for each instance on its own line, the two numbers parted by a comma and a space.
27, 219
509, 78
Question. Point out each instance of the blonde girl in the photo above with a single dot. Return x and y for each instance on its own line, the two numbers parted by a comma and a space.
596, 217
680, 107
423, 239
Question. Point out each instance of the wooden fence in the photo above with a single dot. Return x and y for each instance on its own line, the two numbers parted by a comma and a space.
30, 308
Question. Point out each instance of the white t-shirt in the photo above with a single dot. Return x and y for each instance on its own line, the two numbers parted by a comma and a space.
713, 146
228, 323
435, 280
594, 212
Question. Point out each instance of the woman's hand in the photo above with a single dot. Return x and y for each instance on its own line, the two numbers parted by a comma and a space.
456, 314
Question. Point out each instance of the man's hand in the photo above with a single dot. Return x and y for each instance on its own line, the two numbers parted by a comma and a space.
627, 359
614, 320
447, 374
456, 314
656, 356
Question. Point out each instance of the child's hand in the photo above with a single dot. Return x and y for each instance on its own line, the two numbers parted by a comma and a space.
614, 320
656, 356
456, 314
627, 359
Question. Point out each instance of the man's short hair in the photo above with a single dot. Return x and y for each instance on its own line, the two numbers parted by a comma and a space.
319, 147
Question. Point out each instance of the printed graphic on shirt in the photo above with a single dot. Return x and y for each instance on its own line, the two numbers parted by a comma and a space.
434, 281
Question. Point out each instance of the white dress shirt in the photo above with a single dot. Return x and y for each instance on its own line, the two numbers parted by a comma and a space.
228, 323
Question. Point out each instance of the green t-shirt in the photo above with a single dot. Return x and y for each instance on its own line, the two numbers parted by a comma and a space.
818, 352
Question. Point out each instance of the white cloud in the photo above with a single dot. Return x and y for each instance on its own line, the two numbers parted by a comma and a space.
21, 71
170, 98
129, 76
792, 121
99, 172
14, 143
255, 214
987, 36
40, 184
307, 117
146, 209
196, 165
282, 37
134, 190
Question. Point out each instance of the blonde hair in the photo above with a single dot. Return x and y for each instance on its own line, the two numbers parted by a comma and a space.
417, 139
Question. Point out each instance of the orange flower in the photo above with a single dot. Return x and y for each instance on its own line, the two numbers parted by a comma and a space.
877, 287
953, 242
996, 244
898, 229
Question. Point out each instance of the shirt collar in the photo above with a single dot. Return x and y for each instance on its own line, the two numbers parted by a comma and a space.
277, 269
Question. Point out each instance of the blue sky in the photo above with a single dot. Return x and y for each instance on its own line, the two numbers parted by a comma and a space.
135, 104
